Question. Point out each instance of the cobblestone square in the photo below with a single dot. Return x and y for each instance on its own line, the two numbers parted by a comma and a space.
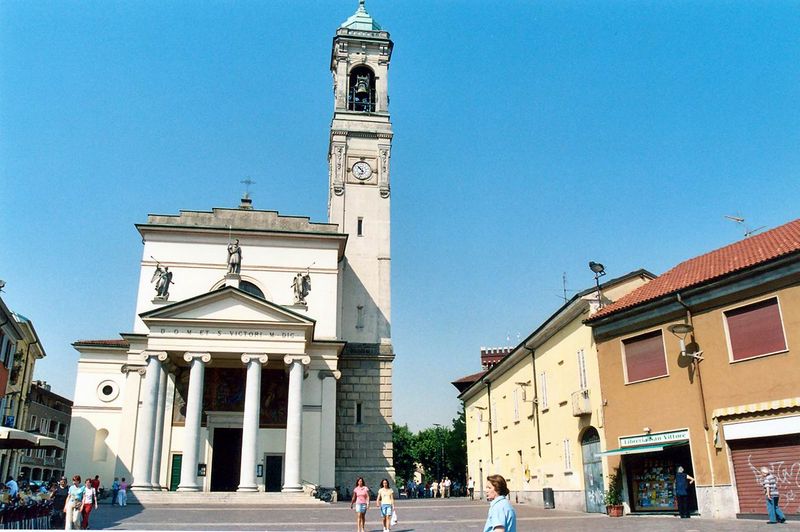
449, 515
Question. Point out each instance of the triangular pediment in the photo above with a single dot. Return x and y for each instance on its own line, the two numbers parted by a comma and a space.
228, 305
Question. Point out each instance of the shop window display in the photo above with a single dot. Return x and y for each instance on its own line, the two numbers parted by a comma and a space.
651, 480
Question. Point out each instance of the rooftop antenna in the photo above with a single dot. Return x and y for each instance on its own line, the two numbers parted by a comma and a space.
564, 285
747, 231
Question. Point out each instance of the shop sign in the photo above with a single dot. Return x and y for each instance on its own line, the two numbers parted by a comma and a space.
659, 437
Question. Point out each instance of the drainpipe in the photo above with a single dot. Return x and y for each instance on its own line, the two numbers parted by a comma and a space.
705, 416
535, 402
488, 385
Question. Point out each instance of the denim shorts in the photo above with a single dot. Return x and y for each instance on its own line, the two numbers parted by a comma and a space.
361, 508
386, 510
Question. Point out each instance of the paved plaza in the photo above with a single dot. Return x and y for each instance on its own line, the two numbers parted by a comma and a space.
416, 515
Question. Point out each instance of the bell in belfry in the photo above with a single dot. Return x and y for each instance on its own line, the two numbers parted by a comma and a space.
362, 85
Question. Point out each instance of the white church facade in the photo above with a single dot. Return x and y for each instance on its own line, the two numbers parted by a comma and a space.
260, 357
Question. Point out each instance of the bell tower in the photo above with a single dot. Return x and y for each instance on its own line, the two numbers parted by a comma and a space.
358, 201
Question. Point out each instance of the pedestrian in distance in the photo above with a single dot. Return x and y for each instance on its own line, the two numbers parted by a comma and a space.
682, 481
770, 484
360, 502
122, 497
88, 503
471, 489
385, 502
502, 517
114, 491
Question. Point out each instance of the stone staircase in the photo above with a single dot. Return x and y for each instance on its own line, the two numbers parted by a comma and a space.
217, 498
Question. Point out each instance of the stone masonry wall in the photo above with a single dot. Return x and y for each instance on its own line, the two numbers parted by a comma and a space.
364, 449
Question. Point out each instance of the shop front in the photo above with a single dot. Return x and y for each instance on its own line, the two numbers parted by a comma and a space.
649, 464
773, 443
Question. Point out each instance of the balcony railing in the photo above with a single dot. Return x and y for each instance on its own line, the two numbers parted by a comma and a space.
581, 405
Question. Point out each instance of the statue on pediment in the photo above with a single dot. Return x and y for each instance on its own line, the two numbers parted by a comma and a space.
301, 286
234, 257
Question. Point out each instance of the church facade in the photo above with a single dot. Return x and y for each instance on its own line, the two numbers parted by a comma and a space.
260, 357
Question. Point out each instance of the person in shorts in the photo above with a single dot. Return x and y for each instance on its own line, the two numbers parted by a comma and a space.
385, 501
360, 502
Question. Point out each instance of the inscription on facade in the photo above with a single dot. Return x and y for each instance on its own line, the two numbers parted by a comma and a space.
229, 333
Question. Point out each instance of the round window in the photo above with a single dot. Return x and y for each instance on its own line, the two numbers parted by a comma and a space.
107, 391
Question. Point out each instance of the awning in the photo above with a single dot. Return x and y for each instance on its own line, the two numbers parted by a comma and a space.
46, 442
16, 439
641, 449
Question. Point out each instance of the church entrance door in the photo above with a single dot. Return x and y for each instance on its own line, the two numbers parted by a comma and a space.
273, 472
227, 459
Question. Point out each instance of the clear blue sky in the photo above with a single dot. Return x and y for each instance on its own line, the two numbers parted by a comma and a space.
531, 137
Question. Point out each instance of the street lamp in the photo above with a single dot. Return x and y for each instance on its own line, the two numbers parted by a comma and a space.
599, 270
441, 451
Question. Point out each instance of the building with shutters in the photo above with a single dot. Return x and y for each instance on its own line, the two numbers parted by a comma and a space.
700, 368
260, 357
534, 415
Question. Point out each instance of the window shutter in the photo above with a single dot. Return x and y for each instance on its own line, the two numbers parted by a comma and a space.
755, 330
644, 356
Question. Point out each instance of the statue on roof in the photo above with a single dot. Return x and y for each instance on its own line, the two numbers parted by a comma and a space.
234, 257
163, 278
301, 286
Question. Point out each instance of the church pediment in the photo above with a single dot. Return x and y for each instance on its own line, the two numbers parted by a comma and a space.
227, 305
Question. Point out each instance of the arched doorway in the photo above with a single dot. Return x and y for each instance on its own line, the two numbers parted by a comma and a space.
592, 471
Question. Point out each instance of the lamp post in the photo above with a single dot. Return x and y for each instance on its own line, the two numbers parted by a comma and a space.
599, 270
441, 451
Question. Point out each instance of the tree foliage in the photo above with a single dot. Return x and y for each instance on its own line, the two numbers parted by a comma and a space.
439, 451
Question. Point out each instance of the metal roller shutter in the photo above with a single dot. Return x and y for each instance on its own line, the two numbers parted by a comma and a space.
782, 455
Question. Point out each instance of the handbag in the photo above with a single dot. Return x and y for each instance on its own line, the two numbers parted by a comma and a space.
394, 517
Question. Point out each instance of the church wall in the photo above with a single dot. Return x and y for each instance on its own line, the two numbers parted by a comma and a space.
197, 270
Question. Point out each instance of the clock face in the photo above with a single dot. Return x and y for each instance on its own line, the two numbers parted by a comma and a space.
362, 170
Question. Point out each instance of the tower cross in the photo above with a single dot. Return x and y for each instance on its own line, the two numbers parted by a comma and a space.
247, 182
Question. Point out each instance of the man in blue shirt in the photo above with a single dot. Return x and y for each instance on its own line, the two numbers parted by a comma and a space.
502, 517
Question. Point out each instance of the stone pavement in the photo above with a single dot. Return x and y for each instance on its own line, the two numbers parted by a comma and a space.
449, 515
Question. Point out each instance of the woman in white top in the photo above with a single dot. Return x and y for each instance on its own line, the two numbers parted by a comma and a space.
385, 501
89, 503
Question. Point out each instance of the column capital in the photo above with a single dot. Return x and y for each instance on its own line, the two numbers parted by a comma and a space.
329, 373
160, 355
204, 357
262, 358
303, 359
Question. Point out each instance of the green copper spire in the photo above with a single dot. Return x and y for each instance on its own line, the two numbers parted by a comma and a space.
361, 20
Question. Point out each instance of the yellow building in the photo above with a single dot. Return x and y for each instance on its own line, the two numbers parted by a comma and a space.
534, 417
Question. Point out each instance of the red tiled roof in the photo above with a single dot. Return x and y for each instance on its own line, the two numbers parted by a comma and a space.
470, 378
465, 382
108, 343
740, 255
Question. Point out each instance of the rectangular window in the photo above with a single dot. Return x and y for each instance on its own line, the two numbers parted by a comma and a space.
543, 390
43, 426
644, 357
583, 380
360, 230
755, 330
516, 404
358, 414
495, 419
567, 455
33, 423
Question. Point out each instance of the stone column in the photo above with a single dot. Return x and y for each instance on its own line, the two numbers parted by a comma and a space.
252, 410
191, 428
145, 428
327, 430
294, 421
155, 475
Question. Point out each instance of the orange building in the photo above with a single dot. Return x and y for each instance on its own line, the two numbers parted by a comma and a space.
700, 368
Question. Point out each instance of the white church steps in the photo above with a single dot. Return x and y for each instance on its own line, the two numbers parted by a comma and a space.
207, 499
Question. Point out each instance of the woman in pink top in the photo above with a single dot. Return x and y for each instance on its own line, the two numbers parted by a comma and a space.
361, 502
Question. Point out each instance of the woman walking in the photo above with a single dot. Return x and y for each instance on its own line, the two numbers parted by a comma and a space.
360, 501
385, 501
72, 507
89, 503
